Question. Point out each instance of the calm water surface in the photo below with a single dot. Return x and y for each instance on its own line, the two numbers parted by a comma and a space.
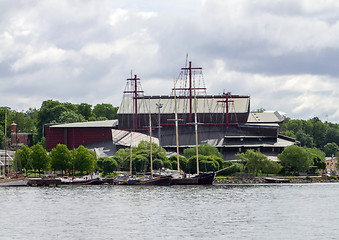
282, 211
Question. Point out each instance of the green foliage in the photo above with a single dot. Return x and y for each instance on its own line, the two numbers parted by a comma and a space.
183, 162
158, 164
84, 160
311, 133
318, 157
204, 149
231, 168
331, 149
140, 163
40, 158
256, 162
105, 110
334, 177
167, 164
108, 165
70, 116
85, 110
61, 158
271, 167
25, 157
295, 159
206, 164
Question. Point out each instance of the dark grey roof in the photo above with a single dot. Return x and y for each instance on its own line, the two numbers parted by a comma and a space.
91, 124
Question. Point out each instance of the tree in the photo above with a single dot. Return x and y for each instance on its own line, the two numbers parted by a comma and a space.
204, 149
105, 110
61, 158
331, 149
108, 165
255, 161
70, 116
182, 161
25, 157
84, 160
304, 139
271, 167
295, 159
318, 157
40, 158
231, 167
85, 110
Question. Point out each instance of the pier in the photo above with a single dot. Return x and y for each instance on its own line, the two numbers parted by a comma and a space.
38, 182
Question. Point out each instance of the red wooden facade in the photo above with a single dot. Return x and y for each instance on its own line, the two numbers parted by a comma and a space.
73, 137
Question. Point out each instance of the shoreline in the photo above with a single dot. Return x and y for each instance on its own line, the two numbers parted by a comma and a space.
275, 180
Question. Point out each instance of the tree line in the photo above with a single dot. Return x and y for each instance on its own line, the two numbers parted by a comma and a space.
60, 159
313, 133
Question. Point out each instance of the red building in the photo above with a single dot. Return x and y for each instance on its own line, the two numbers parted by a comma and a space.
18, 138
76, 134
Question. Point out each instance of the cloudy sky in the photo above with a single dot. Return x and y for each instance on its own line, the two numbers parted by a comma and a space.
284, 53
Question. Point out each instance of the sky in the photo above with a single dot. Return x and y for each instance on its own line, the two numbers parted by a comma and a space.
283, 53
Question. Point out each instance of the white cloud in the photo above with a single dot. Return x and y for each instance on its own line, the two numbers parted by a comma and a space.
283, 53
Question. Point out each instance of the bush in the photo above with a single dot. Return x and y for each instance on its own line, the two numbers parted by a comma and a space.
158, 164
235, 168
334, 177
168, 164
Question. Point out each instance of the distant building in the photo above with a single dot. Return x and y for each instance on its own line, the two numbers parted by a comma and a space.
76, 134
331, 165
18, 138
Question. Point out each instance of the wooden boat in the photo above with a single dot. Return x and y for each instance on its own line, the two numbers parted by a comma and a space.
91, 179
276, 180
197, 179
13, 180
128, 180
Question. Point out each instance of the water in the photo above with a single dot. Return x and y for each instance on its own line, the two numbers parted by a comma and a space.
281, 211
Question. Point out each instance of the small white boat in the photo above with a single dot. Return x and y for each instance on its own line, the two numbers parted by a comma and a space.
14, 181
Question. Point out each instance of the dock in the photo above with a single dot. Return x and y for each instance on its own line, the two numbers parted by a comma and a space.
39, 182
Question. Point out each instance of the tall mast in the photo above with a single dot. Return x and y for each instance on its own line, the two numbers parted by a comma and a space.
196, 129
190, 86
135, 92
176, 129
130, 157
226, 101
159, 105
150, 139
6, 140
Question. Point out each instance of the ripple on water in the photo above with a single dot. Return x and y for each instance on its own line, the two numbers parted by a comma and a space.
150, 212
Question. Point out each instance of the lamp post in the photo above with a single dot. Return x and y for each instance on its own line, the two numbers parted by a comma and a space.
159, 105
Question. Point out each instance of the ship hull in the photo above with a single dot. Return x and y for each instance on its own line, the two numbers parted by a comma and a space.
14, 182
160, 181
201, 179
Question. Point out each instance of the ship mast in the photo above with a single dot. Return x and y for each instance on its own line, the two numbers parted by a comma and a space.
196, 129
190, 88
150, 140
135, 91
226, 101
176, 129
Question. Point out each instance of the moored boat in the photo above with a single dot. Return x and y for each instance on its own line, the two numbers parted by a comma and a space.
159, 180
197, 179
91, 179
14, 181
